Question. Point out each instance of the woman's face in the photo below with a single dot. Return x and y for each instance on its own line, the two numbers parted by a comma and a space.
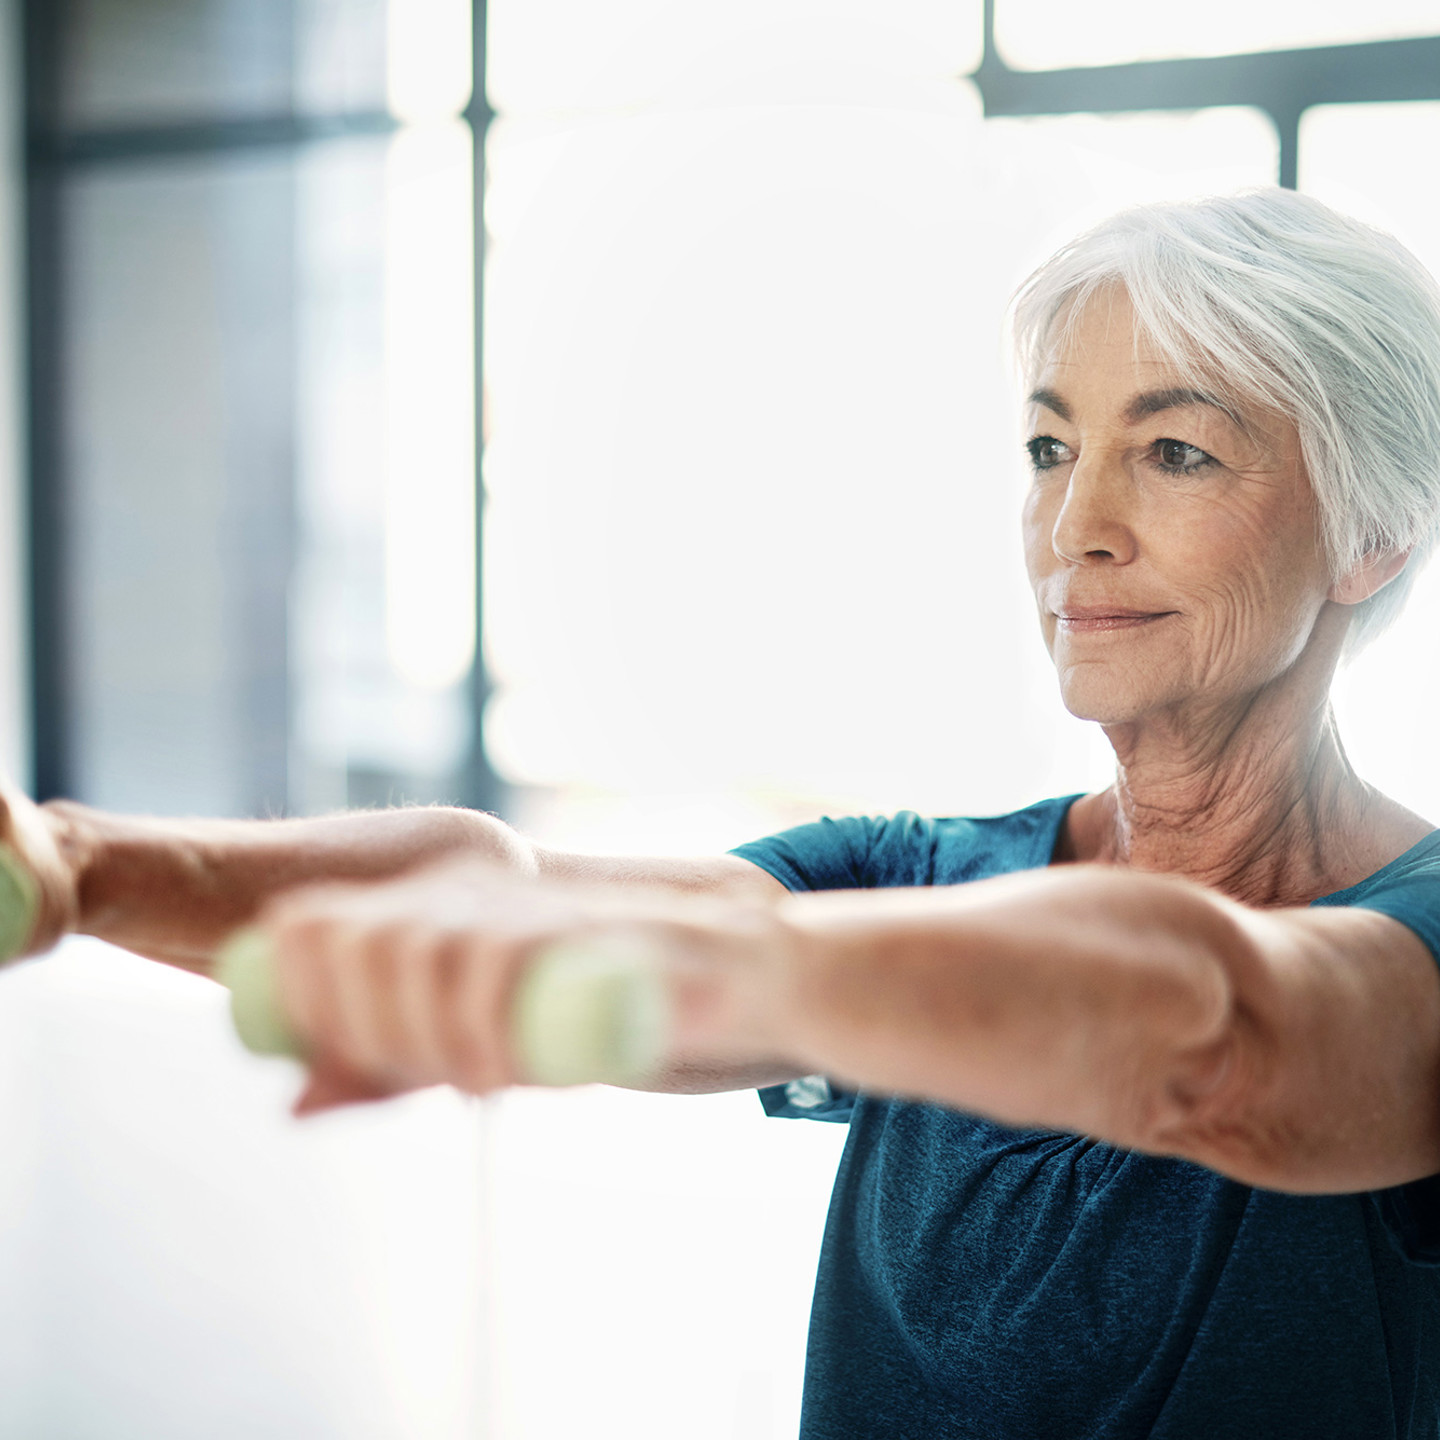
1172, 543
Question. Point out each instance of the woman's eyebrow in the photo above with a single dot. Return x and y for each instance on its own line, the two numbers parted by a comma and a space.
1147, 403
1152, 402
1051, 401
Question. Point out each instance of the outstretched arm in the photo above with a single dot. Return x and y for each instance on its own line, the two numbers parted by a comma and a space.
1298, 1050
173, 890
1293, 1049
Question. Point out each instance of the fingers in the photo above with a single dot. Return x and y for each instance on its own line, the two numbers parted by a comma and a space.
476, 1025
413, 982
360, 973
330, 1086
424, 981
399, 1004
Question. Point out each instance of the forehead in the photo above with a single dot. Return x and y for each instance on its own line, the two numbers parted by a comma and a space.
1102, 359
1104, 367
1103, 332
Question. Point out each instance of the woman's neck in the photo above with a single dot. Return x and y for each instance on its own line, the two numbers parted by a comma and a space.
1259, 802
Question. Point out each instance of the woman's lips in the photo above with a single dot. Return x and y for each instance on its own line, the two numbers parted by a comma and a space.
1089, 620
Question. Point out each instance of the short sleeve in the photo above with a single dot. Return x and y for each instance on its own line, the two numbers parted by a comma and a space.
1416, 905
825, 855
860, 852
1411, 1213
905, 849
1407, 890
810, 1098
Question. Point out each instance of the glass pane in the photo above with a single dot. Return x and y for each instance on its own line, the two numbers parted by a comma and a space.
428, 55
1053, 34
1147, 155
645, 51
272, 477
145, 62
384, 608
747, 394
178, 391
1361, 159
752, 556
128, 63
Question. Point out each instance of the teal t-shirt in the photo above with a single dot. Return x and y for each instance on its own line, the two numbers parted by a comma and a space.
989, 1283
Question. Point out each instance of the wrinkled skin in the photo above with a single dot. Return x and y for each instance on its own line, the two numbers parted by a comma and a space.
1226, 551
1175, 554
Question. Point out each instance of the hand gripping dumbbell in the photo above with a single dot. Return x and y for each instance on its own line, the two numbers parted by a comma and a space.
588, 1010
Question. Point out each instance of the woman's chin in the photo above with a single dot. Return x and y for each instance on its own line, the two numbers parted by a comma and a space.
1105, 700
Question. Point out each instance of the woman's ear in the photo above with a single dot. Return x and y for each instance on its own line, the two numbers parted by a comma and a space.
1368, 576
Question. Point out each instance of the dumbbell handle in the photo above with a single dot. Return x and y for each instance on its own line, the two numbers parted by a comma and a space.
19, 902
588, 1010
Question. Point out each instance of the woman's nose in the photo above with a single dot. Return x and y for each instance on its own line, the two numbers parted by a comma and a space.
1094, 519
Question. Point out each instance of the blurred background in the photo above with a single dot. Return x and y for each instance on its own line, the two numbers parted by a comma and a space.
594, 411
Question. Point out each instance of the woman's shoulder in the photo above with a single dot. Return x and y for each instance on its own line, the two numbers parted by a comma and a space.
1415, 868
1388, 843
1405, 887
1401, 827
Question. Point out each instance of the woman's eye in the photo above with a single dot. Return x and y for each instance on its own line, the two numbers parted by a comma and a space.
1179, 458
1046, 452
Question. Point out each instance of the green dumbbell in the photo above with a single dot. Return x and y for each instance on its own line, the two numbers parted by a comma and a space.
19, 900
591, 1010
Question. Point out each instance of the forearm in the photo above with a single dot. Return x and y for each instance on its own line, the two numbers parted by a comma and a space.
1088, 999
709, 1078
1085, 999
173, 889
1293, 1049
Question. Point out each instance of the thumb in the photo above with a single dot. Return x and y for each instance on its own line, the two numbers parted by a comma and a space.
330, 1085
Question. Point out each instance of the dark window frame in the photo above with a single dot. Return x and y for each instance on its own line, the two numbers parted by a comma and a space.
1282, 83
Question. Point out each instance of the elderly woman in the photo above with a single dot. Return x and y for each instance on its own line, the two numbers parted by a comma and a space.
1143, 1086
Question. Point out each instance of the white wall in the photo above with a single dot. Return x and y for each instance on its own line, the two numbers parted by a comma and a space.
178, 1257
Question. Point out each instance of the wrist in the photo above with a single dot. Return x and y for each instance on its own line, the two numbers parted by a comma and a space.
733, 990
43, 843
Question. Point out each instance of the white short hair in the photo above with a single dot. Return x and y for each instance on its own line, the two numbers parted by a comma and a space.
1274, 299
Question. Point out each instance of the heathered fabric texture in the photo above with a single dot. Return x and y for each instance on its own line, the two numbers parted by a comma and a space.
995, 1284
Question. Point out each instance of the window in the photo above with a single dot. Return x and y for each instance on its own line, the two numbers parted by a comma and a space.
255, 524
1353, 157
